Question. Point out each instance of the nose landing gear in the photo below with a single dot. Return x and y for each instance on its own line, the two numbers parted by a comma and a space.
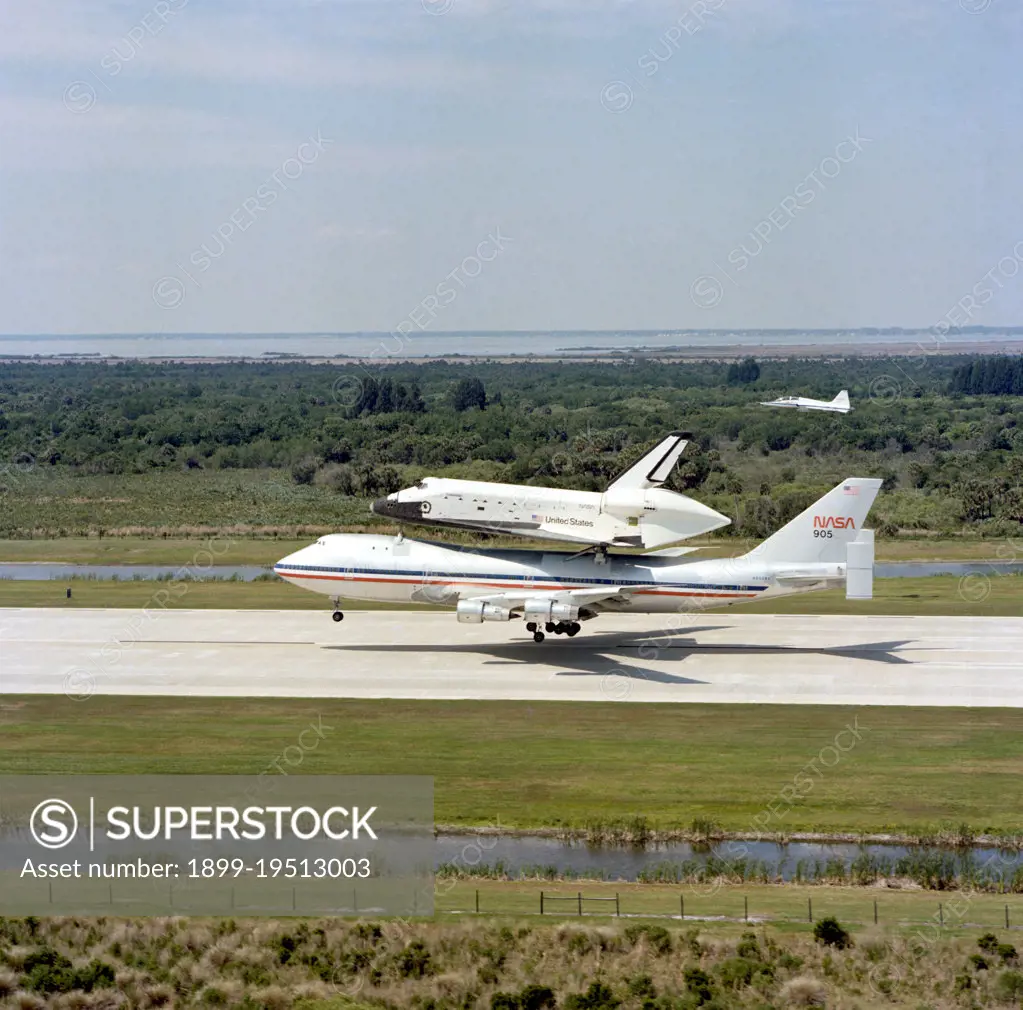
337, 615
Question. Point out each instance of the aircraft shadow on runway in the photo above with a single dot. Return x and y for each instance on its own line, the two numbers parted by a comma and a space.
601, 655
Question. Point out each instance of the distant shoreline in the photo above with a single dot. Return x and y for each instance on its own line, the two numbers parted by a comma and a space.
927, 345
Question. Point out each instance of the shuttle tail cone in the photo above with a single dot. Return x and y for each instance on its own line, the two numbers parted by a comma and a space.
859, 567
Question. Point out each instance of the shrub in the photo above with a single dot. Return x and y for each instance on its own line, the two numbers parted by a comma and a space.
739, 972
803, 991
1009, 986
831, 933
699, 985
1006, 952
414, 961
978, 962
48, 971
536, 997
597, 997
504, 1001
642, 987
748, 946
657, 937
95, 975
988, 943
8, 983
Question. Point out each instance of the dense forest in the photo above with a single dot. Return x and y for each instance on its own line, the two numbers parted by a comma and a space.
941, 430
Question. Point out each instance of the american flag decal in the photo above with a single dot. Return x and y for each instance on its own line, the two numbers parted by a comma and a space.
536, 518
850, 489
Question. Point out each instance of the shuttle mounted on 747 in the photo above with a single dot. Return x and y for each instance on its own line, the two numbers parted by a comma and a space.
823, 547
634, 511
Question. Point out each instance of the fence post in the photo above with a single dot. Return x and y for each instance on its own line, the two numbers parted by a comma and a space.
541, 902
745, 908
682, 904
875, 911
618, 910
941, 915
1006, 916
477, 901
580, 903
809, 909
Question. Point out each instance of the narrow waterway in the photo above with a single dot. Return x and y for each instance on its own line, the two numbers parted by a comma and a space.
679, 861
31, 571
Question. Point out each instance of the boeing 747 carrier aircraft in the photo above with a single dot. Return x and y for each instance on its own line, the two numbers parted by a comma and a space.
823, 547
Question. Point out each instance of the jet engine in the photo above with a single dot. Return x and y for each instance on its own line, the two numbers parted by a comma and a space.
476, 612
542, 611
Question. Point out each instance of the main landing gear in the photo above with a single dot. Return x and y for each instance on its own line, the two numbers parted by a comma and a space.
570, 628
337, 615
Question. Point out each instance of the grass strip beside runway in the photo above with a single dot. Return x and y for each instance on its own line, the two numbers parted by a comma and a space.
936, 596
558, 764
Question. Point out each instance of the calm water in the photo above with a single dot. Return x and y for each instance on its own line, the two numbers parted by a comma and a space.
433, 344
627, 863
43, 572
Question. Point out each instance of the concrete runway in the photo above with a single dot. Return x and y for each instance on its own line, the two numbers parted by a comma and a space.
713, 657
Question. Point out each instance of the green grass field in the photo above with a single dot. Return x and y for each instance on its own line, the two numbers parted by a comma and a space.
530, 765
935, 596
790, 904
246, 549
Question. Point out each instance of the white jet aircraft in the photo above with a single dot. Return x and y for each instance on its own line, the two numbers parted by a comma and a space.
840, 404
634, 511
823, 547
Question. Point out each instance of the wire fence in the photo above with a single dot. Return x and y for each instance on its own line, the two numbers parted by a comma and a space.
955, 910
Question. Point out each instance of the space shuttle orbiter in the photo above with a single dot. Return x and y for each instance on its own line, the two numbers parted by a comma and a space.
634, 511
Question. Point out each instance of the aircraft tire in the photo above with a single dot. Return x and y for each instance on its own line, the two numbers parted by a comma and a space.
574, 628
538, 637
531, 626
338, 616
550, 627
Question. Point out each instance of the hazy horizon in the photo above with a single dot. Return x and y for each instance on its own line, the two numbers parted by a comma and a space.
411, 166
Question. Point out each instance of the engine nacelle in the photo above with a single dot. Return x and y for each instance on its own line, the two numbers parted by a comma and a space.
542, 611
476, 612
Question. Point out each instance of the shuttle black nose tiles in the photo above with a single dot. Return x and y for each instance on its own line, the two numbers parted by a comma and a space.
409, 511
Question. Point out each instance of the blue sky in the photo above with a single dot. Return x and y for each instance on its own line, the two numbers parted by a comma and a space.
187, 166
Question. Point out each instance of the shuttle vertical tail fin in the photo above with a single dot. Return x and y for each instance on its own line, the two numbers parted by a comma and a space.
842, 400
655, 467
